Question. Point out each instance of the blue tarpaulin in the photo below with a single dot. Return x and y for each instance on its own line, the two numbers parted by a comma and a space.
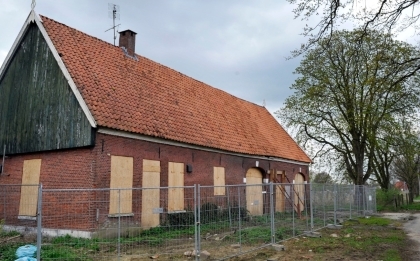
26, 259
26, 253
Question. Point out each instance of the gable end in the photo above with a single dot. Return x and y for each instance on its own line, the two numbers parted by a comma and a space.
38, 109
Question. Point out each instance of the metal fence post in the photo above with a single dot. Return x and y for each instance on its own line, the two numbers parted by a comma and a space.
39, 224
195, 219
375, 206
351, 198
323, 203
273, 233
239, 219
335, 204
293, 206
360, 207
364, 201
229, 207
197, 194
305, 204
311, 203
119, 224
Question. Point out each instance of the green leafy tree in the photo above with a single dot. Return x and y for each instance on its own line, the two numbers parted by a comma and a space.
348, 91
322, 177
406, 165
384, 151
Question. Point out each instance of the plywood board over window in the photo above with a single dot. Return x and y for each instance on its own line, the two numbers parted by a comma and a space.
175, 184
150, 194
254, 196
219, 181
29, 191
280, 192
121, 185
299, 192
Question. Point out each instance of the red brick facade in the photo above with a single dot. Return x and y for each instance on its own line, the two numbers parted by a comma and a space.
90, 168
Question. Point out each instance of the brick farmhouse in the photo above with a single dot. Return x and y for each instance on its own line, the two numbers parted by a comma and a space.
79, 113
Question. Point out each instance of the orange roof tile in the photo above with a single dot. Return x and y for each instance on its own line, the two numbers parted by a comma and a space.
148, 98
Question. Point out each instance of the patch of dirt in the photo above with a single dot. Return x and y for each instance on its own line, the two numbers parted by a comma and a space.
354, 242
412, 227
300, 249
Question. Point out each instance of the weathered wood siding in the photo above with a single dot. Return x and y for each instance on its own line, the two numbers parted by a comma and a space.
38, 110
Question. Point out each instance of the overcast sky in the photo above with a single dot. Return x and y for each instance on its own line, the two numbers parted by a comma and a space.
238, 46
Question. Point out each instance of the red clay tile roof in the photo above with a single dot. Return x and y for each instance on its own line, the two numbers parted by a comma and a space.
401, 185
148, 98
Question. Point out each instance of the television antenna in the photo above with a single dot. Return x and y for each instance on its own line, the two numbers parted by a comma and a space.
114, 13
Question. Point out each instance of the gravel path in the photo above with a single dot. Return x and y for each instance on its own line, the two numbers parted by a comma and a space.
411, 225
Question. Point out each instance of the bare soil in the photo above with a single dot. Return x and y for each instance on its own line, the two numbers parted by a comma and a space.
359, 244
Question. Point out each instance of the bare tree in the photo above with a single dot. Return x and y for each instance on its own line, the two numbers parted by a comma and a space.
385, 15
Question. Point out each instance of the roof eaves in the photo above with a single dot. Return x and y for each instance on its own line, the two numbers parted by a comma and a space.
287, 132
125, 134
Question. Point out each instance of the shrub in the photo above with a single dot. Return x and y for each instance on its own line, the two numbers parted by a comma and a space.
182, 219
209, 212
385, 199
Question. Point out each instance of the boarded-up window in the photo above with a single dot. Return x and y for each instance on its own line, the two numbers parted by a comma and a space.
150, 194
299, 192
254, 196
219, 180
175, 184
29, 191
121, 185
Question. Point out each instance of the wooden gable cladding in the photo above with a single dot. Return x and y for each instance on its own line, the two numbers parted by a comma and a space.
38, 110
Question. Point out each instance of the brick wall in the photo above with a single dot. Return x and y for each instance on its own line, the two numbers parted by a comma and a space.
86, 168
64, 169
202, 162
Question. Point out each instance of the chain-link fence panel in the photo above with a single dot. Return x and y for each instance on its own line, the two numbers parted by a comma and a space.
102, 224
174, 222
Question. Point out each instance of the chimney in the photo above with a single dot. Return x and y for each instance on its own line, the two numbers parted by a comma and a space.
128, 41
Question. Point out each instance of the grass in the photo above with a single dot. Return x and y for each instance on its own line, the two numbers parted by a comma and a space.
370, 238
392, 255
63, 253
7, 250
386, 201
378, 221
415, 206
362, 239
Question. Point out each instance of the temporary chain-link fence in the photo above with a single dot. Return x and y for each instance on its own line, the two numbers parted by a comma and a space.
172, 222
